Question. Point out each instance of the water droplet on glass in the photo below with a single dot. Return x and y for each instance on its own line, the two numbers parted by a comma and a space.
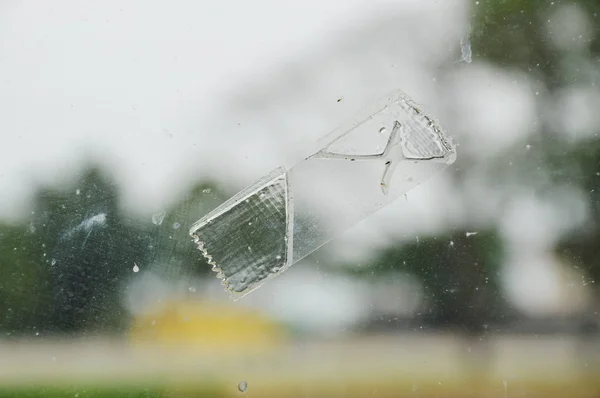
467, 234
382, 130
176, 225
207, 190
192, 289
53, 262
136, 268
78, 192
278, 257
158, 218
243, 386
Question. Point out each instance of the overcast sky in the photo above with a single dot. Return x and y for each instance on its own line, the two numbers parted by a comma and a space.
168, 92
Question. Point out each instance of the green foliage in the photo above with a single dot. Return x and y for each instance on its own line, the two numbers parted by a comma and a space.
459, 275
514, 33
65, 270
204, 391
508, 32
583, 246
21, 277
81, 393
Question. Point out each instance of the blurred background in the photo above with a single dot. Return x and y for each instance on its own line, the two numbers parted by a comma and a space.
122, 123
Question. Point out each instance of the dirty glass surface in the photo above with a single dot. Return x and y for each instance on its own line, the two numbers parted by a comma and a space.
449, 248
381, 153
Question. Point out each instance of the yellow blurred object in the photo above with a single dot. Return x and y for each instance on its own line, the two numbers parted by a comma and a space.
207, 326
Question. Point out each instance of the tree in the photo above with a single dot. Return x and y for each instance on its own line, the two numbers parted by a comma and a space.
67, 268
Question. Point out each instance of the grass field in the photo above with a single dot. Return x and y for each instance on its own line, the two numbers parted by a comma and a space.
382, 366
